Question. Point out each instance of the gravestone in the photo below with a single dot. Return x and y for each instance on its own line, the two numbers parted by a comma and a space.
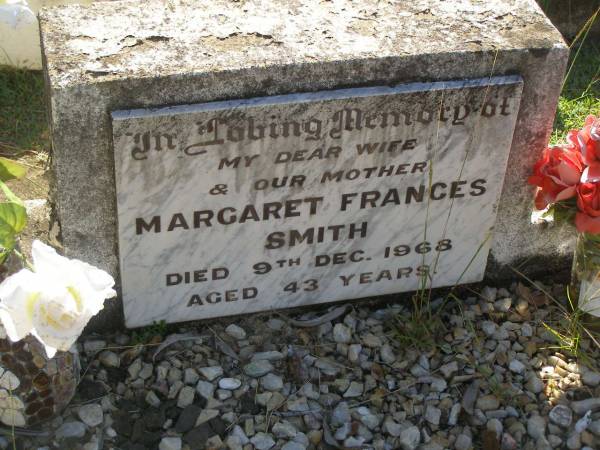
225, 158
272, 202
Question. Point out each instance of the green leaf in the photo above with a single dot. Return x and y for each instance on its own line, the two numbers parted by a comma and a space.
9, 169
9, 194
13, 218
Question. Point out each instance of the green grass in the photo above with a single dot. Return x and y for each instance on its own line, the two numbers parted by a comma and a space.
581, 92
23, 124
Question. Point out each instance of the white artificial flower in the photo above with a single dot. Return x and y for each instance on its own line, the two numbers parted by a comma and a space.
55, 301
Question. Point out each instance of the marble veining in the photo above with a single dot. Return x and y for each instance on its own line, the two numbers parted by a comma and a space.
258, 204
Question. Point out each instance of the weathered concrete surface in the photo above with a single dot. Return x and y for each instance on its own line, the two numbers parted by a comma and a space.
121, 55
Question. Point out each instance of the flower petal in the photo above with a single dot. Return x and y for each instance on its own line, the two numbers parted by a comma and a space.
47, 261
16, 295
587, 224
567, 173
565, 194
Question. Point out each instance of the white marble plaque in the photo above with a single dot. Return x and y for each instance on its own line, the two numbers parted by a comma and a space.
250, 205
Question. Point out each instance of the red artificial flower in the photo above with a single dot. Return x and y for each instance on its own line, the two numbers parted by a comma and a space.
587, 219
557, 174
588, 141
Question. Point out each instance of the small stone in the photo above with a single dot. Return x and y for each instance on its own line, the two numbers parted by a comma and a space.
284, 430
489, 293
256, 369
574, 441
582, 406
309, 391
438, 384
503, 305
275, 401
340, 414
536, 426
516, 366
92, 347
488, 327
327, 367
109, 359
236, 332
262, 441
496, 426
224, 394
534, 384
449, 369
594, 427
272, 355
146, 371
212, 372
354, 352
190, 376
275, 324
463, 442
170, 443
526, 330
432, 415
508, 442
591, 378
582, 424
410, 438
387, 354
206, 415
187, 419
371, 340
92, 445
186, 396
239, 433
72, 429
342, 334
293, 446
205, 389
229, 384
214, 442
91, 414
315, 437
487, 403
300, 404
469, 397
134, 368
392, 428
354, 442
263, 398
370, 420
341, 384
454, 413
271, 382
561, 415
588, 438
356, 389
233, 443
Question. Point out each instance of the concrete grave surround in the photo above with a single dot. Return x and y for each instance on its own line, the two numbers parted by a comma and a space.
121, 56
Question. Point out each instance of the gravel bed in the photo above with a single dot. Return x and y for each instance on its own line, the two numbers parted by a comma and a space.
492, 379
